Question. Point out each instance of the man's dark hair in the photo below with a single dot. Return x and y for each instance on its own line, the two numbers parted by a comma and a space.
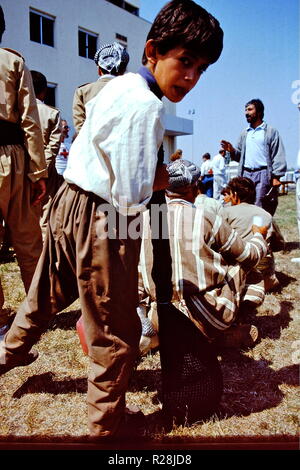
259, 106
2, 23
244, 189
39, 82
186, 24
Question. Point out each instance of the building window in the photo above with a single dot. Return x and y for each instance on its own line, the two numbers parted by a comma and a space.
121, 39
87, 44
126, 6
51, 94
41, 28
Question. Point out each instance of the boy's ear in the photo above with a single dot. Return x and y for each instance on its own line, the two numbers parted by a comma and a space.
151, 52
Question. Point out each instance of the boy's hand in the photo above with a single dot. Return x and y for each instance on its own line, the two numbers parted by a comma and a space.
263, 230
161, 179
38, 191
227, 146
276, 182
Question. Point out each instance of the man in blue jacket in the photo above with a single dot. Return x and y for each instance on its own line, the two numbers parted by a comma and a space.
261, 156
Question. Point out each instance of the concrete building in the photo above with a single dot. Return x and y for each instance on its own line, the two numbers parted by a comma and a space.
59, 39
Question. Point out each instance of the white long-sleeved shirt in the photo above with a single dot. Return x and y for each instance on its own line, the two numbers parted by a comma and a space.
218, 165
115, 152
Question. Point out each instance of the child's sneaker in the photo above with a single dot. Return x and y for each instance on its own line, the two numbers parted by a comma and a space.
149, 336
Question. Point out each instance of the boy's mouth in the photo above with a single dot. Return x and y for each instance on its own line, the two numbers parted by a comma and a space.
180, 90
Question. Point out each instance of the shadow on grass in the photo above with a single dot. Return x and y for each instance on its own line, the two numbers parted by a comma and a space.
284, 279
290, 246
46, 383
65, 320
271, 326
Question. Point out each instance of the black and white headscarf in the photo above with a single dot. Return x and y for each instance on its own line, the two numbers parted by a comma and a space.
111, 56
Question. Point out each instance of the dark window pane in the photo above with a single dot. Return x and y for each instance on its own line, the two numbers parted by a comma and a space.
119, 3
81, 44
35, 30
50, 97
92, 46
131, 9
47, 25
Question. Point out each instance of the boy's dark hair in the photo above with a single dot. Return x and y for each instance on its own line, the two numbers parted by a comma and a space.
259, 106
206, 155
2, 23
184, 23
39, 82
244, 189
201, 187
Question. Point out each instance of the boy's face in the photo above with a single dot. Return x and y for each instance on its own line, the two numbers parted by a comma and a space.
176, 72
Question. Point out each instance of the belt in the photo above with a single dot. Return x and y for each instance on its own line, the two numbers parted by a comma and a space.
10, 133
255, 169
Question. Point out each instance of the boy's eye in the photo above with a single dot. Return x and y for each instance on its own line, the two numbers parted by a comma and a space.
187, 62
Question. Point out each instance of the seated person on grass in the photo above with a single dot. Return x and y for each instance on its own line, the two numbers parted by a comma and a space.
239, 215
209, 261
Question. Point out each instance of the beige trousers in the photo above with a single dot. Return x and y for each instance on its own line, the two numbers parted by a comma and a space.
78, 259
21, 218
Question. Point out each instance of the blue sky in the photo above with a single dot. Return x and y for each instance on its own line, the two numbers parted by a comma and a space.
260, 59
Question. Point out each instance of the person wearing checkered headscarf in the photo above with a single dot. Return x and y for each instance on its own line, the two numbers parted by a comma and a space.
111, 60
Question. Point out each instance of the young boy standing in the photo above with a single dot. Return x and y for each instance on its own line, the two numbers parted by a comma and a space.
111, 174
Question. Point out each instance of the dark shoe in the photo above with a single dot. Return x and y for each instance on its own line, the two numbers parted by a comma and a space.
7, 256
19, 361
271, 283
239, 337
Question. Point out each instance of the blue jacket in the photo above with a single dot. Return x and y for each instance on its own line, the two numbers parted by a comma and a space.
276, 160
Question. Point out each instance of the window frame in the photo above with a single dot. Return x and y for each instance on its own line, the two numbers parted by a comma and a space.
41, 15
87, 35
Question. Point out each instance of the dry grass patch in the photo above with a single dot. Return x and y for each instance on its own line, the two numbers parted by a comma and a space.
48, 398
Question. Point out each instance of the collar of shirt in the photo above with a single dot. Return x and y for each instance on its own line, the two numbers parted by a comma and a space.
258, 128
178, 200
107, 75
152, 83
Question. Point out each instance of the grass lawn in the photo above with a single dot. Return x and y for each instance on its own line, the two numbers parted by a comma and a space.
46, 401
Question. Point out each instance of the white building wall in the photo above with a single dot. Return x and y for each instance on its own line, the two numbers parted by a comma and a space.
61, 64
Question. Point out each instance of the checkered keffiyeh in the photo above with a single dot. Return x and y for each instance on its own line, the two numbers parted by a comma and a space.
182, 173
111, 56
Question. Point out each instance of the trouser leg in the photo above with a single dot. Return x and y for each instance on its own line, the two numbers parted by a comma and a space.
109, 298
53, 288
21, 218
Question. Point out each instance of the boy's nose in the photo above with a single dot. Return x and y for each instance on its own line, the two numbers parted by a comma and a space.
191, 76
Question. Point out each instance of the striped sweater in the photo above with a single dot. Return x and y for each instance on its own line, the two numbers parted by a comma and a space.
209, 264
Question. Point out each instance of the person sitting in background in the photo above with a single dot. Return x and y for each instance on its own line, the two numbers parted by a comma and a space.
209, 261
111, 60
241, 194
176, 155
207, 175
209, 203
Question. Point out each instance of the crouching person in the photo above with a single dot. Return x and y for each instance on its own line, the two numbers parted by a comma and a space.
209, 261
